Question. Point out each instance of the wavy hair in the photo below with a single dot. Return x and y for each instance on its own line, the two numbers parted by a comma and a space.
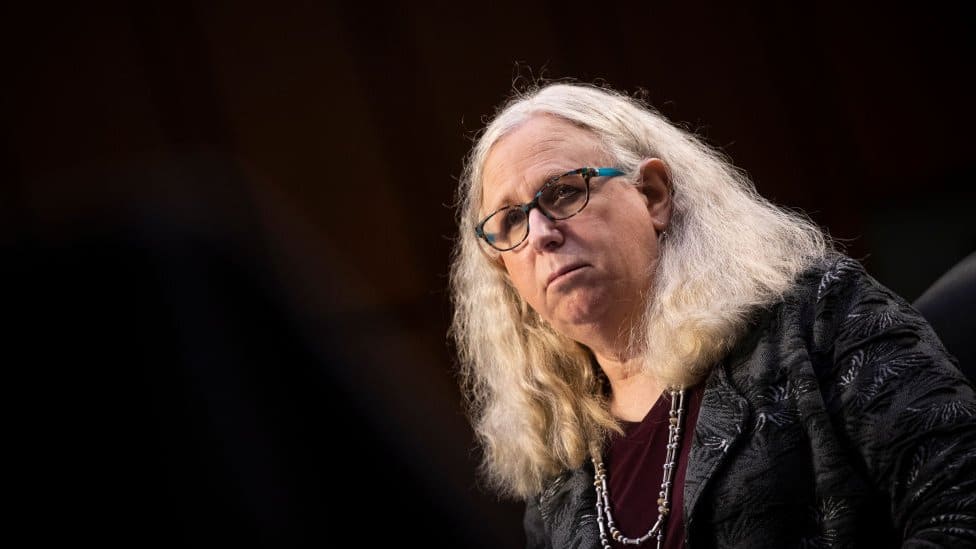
534, 397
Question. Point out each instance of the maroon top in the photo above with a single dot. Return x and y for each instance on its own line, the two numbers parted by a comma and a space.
635, 468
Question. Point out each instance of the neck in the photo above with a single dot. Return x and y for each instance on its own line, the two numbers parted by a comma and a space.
633, 392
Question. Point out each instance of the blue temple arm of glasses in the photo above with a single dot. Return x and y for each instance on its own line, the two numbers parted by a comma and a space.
608, 172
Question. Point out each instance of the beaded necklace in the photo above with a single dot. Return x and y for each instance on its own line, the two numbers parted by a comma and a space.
603, 516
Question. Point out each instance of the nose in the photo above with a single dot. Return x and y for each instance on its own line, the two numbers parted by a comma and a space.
544, 234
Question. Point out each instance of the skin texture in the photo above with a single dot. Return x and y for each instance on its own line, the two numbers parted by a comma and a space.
586, 276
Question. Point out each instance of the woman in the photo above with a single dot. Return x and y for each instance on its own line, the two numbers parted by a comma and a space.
653, 354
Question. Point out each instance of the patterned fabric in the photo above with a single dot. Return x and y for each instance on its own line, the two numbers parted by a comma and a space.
839, 421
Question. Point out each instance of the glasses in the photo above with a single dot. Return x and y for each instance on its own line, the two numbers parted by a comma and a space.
561, 197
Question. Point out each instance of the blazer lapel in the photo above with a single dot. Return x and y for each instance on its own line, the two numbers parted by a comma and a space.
721, 422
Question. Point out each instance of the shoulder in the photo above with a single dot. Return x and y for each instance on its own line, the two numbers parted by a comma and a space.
841, 305
853, 311
832, 282
870, 347
837, 324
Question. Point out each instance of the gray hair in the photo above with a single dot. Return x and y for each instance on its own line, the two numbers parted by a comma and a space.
533, 396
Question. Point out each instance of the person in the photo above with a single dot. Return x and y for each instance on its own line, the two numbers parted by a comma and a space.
653, 354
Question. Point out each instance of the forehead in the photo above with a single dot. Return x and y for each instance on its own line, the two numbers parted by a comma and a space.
541, 147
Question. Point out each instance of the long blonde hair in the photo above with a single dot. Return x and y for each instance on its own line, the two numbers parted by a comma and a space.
532, 395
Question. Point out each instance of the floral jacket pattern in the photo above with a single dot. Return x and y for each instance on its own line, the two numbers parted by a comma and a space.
839, 421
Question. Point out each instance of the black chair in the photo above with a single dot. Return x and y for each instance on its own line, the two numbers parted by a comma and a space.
949, 304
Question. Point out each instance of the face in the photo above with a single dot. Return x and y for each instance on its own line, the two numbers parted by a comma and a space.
587, 276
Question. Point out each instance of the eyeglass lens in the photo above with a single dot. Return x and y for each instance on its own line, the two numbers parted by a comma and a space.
559, 199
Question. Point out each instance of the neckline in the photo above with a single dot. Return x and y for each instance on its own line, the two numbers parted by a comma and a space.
657, 414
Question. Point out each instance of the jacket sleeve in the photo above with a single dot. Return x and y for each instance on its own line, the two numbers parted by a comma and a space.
907, 410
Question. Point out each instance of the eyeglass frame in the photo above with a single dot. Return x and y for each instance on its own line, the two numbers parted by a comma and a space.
587, 173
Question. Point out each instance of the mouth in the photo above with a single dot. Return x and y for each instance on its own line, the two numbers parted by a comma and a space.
563, 271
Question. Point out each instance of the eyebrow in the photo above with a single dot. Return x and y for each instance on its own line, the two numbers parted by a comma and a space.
547, 176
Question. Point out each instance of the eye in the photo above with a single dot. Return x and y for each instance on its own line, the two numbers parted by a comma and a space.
505, 222
562, 191
511, 218
564, 196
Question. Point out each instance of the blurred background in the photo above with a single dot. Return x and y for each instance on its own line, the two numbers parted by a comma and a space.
227, 229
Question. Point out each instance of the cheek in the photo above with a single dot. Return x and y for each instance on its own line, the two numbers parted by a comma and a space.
637, 247
521, 276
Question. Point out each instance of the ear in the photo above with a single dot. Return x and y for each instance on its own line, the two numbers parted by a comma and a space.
655, 183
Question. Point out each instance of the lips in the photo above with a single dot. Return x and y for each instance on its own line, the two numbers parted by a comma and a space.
564, 270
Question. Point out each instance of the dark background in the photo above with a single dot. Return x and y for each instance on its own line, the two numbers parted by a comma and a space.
227, 231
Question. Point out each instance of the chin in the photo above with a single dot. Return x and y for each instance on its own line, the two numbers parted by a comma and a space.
579, 320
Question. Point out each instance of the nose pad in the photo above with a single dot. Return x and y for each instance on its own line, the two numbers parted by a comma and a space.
543, 232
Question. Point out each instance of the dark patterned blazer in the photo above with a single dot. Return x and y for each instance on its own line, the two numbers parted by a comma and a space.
840, 420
